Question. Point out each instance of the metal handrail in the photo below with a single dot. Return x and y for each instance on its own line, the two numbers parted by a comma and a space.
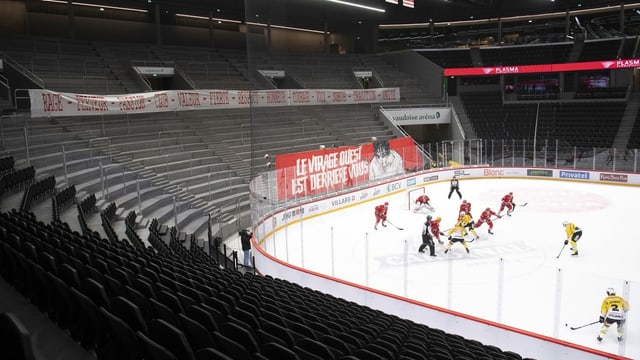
4, 82
153, 63
26, 72
98, 139
186, 78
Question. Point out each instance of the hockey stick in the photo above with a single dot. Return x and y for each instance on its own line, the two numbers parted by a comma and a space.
563, 246
581, 326
523, 205
399, 228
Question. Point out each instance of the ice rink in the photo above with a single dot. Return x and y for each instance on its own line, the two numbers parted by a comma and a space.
512, 277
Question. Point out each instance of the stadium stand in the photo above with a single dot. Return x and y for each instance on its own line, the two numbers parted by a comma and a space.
162, 295
308, 317
525, 55
593, 50
575, 124
65, 65
449, 58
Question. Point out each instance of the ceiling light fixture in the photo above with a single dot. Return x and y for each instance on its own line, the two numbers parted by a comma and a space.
288, 28
357, 5
102, 7
206, 18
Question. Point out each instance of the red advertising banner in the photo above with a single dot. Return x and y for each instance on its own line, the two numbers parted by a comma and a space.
543, 68
330, 169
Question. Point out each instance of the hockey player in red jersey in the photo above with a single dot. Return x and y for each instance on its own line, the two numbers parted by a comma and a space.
423, 202
466, 207
435, 229
485, 217
381, 214
507, 202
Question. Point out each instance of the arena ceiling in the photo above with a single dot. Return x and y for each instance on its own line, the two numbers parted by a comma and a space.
316, 14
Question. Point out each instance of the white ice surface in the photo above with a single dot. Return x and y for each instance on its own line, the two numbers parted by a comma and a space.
512, 277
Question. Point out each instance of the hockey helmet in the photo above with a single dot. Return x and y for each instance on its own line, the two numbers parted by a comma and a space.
487, 209
438, 219
510, 193
386, 203
564, 223
464, 201
611, 291
429, 218
462, 213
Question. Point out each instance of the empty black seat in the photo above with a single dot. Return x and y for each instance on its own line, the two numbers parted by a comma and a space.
231, 347
62, 311
121, 341
89, 320
319, 349
142, 302
129, 312
203, 317
15, 339
211, 354
151, 350
199, 337
275, 351
96, 292
161, 311
172, 338
241, 335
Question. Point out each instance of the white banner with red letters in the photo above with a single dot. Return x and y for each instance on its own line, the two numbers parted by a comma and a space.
51, 103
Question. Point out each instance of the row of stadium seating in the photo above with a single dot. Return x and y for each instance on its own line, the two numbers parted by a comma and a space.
576, 124
101, 68
126, 302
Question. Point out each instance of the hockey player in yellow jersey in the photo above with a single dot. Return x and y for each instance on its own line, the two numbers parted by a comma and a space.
613, 311
574, 234
456, 235
466, 223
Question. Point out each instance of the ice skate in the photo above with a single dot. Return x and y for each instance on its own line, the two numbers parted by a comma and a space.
383, 225
574, 254
375, 227
446, 251
490, 232
620, 339
599, 338
433, 255
467, 250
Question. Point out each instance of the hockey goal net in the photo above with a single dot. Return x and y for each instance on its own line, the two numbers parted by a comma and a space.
412, 195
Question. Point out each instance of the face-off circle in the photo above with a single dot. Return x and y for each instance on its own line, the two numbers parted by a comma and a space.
568, 200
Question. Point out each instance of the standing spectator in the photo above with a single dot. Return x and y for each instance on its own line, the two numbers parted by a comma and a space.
610, 155
612, 311
454, 186
245, 239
